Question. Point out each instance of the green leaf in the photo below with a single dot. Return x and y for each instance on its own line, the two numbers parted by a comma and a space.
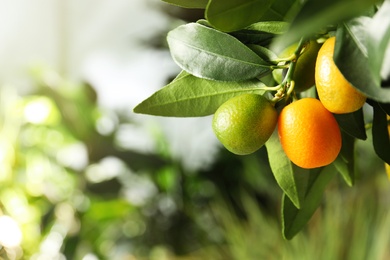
378, 40
200, 4
290, 178
315, 15
207, 53
385, 107
204, 22
233, 15
254, 37
282, 10
380, 134
350, 57
263, 52
274, 27
261, 33
353, 124
294, 219
345, 161
189, 96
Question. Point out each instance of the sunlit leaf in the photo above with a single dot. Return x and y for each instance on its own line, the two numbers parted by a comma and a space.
207, 53
189, 96
274, 27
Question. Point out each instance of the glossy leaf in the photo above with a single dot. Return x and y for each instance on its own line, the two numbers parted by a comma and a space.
261, 33
254, 37
378, 40
207, 53
291, 179
233, 15
274, 27
345, 161
200, 4
317, 15
189, 96
351, 58
294, 219
353, 124
263, 52
380, 134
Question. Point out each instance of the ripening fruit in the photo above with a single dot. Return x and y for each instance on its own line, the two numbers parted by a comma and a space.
244, 123
309, 133
304, 70
334, 91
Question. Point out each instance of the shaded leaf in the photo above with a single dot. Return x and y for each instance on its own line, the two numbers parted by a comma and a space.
211, 54
261, 33
380, 134
353, 124
233, 15
350, 57
254, 37
315, 16
282, 10
189, 96
378, 40
294, 219
385, 107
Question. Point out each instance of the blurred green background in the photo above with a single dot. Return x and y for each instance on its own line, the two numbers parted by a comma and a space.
82, 177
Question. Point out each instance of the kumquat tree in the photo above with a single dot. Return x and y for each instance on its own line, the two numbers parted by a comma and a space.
305, 79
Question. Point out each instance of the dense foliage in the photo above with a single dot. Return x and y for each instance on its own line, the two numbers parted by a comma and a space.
232, 51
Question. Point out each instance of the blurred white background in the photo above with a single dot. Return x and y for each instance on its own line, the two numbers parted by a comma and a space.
104, 43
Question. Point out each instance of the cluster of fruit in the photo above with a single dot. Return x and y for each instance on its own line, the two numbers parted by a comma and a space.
307, 128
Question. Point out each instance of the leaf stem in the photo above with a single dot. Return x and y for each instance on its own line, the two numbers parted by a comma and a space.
284, 66
289, 58
276, 88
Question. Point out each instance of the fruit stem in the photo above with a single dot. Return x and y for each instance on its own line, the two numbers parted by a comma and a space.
290, 88
288, 83
293, 62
